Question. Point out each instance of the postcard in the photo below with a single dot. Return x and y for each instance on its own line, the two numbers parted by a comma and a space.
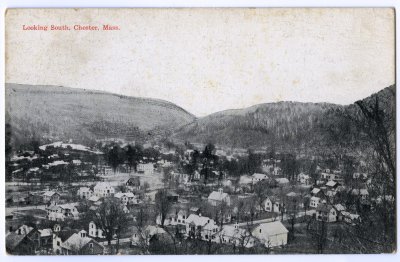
182, 131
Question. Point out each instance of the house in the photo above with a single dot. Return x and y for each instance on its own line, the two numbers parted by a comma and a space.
133, 182
51, 197
315, 201
126, 198
59, 237
245, 180
46, 237
103, 189
179, 177
256, 177
326, 213
140, 238
331, 185
61, 212
94, 231
363, 193
24, 241
349, 218
271, 234
317, 192
201, 227
85, 192
80, 244
235, 235
335, 175
219, 197
303, 179
147, 169
178, 218
273, 204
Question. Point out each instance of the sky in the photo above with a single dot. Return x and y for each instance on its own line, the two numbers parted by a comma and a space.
208, 60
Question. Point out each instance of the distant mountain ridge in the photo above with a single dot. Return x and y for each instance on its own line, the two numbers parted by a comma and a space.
86, 114
281, 124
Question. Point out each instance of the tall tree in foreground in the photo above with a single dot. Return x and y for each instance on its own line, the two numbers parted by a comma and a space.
111, 218
163, 205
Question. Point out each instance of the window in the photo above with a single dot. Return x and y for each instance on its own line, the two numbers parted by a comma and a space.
260, 230
58, 243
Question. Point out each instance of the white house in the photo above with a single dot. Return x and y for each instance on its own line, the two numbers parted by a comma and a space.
218, 197
315, 201
363, 193
51, 197
199, 226
256, 177
303, 179
271, 234
85, 192
61, 212
272, 204
103, 189
180, 177
326, 213
94, 231
235, 235
147, 169
126, 198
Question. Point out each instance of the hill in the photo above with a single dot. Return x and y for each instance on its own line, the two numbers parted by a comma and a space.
54, 111
281, 125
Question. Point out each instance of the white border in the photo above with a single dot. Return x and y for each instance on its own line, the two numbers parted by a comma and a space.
181, 3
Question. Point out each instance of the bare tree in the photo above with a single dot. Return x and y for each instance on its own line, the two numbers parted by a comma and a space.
140, 223
163, 205
111, 218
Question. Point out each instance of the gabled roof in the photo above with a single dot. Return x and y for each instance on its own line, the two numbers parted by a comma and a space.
76, 242
340, 207
102, 185
182, 212
233, 232
128, 195
198, 220
65, 234
362, 192
259, 176
271, 229
13, 240
23, 230
218, 196
84, 189
94, 198
49, 193
45, 232
315, 191
331, 183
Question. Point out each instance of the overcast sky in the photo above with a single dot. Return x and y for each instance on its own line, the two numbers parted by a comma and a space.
208, 60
